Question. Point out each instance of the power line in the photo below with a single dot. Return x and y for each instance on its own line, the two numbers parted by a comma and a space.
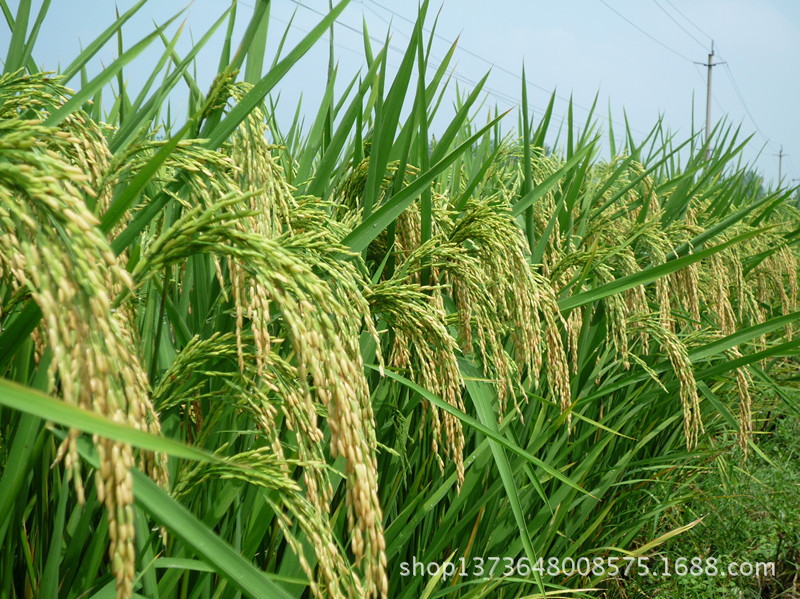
728, 70
508, 98
319, 12
729, 73
465, 50
498, 95
302, 30
494, 65
688, 20
458, 77
490, 91
686, 31
656, 40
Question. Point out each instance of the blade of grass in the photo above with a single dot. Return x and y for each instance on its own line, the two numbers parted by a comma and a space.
94, 47
648, 275
193, 533
360, 238
257, 47
108, 73
16, 48
387, 118
482, 398
472, 423
259, 91
35, 403
542, 188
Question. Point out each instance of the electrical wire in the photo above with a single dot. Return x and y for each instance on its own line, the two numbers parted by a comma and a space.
656, 40
497, 67
686, 31
738, 92
506, 98
728, 70
498, 95
302, 30
688, 20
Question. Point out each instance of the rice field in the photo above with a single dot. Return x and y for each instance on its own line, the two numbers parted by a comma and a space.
243, 359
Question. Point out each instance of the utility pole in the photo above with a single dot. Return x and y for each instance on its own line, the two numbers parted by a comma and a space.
780, 156
710, 64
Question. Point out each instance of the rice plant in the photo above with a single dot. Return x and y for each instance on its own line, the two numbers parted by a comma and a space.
243, 359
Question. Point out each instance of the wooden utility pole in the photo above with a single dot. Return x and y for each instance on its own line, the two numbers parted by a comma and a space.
710, 64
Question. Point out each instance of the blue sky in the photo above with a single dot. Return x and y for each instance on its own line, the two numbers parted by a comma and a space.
643, 65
